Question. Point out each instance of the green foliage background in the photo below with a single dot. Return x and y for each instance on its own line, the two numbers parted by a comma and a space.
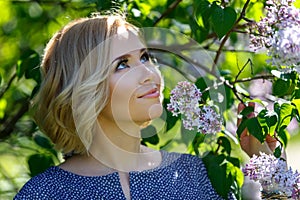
27, 25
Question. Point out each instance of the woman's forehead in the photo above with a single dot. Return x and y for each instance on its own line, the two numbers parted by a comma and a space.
124, 42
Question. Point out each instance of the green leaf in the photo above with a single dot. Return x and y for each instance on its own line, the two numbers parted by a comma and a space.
222, 19
286, 111
42, 141
282, 87
229, 97
234, 161
241, 127
39, 163
225, 143
201, 84
28, 66
246, 111
296, 102
217, 174
168, 116
268, 121
202, 13
255, 129
198, 33
149, 134
283, 135
277, 152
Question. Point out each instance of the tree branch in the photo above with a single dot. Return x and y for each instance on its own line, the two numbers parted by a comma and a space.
9, 125
242, 15
168, 11
254, 78
7, 85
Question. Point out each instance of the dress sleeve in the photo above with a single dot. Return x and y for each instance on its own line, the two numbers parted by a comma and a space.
32, 190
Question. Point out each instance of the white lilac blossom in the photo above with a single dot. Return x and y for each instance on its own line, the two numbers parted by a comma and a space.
185, 100
273, 175
279, 33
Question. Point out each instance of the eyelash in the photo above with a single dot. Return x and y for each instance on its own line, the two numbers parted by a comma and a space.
125, 60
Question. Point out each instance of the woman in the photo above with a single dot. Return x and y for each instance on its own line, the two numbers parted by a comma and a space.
99, 88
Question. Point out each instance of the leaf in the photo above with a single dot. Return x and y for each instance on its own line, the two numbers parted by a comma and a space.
247, 110
39, 163
277, 152
234, 161
201, 84
286, 110
296, 102
282, 87
222, 19
236, 173
202, 13
268, 121
42, 141
283, 135
255, 129
216, 172
225, 143
241, 127
28, 66
169, 118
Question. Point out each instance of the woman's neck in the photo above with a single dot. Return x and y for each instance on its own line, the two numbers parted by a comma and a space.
117, 145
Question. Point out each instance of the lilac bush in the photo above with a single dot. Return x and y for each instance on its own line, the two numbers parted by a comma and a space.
273, 175
279, 33
185, 100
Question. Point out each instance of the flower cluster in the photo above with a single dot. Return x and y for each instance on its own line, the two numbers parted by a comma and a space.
273, 175
184, 100
279, 33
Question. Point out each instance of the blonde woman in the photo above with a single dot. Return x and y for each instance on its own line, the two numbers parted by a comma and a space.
99, 88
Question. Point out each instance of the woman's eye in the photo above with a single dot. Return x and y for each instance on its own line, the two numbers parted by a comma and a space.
145, 57
122, 65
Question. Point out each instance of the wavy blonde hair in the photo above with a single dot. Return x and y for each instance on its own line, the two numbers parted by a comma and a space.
75, 88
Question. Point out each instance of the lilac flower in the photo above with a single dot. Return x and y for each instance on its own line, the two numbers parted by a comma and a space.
184, 100
279, 33
273, 175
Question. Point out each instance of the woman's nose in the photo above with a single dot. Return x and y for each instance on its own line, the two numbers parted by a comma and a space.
147, 73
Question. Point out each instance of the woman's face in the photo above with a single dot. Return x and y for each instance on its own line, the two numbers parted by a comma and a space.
135, 83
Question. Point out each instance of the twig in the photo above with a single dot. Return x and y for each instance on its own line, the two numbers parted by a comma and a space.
8, 85
242, 15
254, 78
168, 11
10, 123
241, 70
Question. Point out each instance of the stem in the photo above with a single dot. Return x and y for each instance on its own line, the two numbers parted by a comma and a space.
8, 85
242, 15
10, 123
241, 70
168, 11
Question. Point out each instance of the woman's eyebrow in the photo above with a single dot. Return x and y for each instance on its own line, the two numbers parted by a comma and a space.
128, 55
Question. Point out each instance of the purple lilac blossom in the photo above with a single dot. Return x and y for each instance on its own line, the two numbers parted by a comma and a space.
279, 33
273, 175
184, 100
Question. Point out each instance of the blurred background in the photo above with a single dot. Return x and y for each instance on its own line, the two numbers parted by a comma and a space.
25, 28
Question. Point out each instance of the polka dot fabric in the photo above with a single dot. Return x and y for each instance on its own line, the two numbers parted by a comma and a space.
179, 176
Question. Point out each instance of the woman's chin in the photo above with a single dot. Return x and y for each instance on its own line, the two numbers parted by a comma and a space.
155, 111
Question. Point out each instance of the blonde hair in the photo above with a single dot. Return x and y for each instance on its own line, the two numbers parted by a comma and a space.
75, 89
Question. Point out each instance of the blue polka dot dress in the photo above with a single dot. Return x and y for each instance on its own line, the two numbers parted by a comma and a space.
179, 176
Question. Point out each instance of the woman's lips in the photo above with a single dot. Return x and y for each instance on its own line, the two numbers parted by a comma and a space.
153, 93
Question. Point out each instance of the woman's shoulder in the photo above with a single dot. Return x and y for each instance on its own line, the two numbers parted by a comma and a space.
39, 184
183, 159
